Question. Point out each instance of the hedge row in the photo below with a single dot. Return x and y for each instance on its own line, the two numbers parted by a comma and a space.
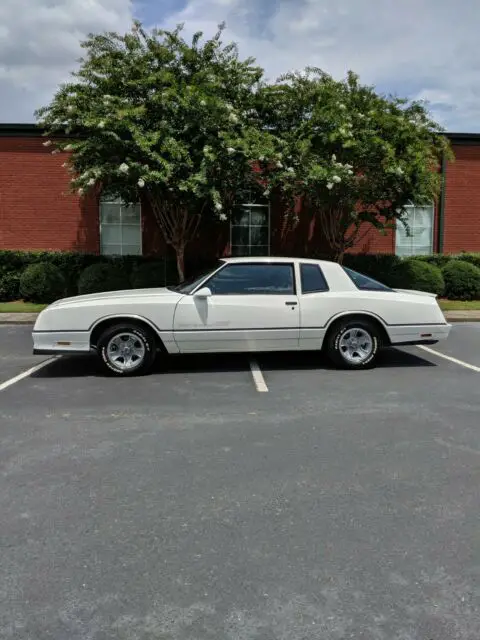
46, 276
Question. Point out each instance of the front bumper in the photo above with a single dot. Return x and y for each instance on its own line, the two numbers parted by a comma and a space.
58, 342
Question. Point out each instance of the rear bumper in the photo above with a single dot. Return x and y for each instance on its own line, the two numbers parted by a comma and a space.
418, 334
59, 342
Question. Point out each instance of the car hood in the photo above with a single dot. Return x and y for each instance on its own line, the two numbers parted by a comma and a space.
118, 296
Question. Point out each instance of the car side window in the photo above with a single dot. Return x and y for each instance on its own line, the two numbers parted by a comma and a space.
312, 278
365, 283
251, 279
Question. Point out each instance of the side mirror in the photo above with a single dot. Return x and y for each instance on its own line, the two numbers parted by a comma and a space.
203, 293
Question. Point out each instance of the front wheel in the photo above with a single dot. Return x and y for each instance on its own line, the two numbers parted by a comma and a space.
127, 350
353, 344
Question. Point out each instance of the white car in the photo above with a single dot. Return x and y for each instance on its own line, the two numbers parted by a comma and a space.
244, 305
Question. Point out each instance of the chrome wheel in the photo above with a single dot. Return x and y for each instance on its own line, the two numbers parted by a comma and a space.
126, 351
356, 345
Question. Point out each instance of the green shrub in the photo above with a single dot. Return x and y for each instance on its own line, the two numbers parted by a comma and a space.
378, 266
42, 282
103, 277
419, 275
472, 258
148, 274
462, 280
437, 259
9, 287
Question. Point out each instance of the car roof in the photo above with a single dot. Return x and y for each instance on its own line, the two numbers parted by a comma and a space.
274, 259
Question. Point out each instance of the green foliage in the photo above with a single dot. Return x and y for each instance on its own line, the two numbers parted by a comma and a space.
9, 287
462, 280
103, 277
437, 259
42, 282
149, 274
356, 157
418, 275
379, 266
149, 114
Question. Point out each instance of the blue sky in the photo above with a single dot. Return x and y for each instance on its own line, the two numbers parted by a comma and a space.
423, 49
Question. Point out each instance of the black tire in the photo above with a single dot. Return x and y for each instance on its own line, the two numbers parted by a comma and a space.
368, 340
141, 343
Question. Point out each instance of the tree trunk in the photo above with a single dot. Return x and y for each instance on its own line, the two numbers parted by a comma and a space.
180, 254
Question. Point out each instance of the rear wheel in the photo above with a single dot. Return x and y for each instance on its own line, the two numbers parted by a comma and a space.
353, 344
127, 350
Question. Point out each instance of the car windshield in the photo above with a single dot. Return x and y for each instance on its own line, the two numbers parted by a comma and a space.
190, 284
364, 282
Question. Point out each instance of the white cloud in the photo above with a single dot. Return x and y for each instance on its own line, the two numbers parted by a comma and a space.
424, 49
419, 48
40, 43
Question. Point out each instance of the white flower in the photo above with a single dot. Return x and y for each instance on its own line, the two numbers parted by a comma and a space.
279, 164
330, 186
124, 168
91, 182
334, 157
261, 158
218, 206
229, 106
65, 165
233, 118
69, 147
266, 193
80, 192
342, 106
55, 151
70, 108
230, 150
350, 172
203, 103
291, 170
336, 179
47, 143
399, 171
222, 217
141, 183
101, 125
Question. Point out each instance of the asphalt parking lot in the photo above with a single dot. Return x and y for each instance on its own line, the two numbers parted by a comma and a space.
224, 499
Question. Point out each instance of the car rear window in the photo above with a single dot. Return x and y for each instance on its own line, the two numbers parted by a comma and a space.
312, 278
365, 283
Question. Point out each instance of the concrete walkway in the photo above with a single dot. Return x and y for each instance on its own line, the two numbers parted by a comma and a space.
29, 318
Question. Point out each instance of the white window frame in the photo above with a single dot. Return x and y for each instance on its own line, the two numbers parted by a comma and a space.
251, 205
411, 249
120, 203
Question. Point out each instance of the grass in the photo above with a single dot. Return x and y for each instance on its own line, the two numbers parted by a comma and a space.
20, 307
460, 305
28, 307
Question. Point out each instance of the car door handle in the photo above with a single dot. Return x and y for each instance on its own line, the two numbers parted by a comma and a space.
291, 304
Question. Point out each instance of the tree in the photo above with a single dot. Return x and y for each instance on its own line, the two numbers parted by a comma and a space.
354, 157
148, 115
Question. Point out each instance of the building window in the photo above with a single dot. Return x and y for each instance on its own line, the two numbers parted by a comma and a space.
250, 230
120, 228
417, 240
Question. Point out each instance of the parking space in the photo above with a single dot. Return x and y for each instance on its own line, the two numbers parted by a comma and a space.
193, 504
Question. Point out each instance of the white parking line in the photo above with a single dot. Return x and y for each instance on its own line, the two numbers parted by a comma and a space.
454, 360
25, 374
258, 378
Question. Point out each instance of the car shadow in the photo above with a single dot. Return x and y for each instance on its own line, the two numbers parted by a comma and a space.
82, 366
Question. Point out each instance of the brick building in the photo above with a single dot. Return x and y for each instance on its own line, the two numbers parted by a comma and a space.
38, 212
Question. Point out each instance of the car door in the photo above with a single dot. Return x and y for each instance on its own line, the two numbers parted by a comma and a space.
248, 307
